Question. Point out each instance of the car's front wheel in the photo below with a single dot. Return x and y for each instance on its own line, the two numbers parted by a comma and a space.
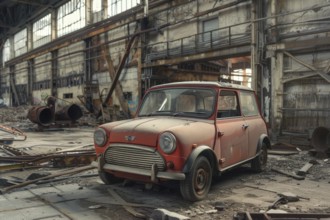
198, 181
108, 178
258, 164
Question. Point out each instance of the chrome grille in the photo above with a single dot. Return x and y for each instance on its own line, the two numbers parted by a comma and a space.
134, 156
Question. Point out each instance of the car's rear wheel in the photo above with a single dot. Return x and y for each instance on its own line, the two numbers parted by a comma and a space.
198, 181
108, 178
259, 163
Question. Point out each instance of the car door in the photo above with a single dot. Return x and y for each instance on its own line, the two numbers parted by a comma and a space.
253, 120
232, 134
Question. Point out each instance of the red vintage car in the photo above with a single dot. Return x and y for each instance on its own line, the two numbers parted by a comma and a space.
185, 131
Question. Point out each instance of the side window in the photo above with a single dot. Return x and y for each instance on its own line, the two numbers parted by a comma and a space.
249, 104
228, 104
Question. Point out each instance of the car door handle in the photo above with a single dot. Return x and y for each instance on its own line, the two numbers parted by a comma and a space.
244, 126
221, 133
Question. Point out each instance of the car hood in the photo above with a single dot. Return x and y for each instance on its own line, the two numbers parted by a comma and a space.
145, 131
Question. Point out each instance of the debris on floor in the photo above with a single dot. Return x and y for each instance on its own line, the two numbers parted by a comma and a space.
284, 149
270, 216
60, 173
51, 171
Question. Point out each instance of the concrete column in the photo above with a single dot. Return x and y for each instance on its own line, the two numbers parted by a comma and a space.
54, 75
105, 9
53, 25
12, 48
273, 10
30, 80
88, 11
29, 29
254, 50
277, 94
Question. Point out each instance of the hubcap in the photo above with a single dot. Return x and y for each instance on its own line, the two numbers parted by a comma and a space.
201, 180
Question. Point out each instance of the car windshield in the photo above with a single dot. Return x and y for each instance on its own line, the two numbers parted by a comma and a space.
184, 102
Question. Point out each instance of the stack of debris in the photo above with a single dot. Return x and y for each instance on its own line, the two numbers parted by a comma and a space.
13, 159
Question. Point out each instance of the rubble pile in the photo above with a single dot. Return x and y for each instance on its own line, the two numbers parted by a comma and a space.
14, 114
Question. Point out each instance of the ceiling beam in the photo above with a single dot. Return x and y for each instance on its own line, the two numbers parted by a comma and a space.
28, 2
223, 53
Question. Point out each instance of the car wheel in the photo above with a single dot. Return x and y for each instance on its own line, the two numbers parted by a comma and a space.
108, 178
258, 164
198, 181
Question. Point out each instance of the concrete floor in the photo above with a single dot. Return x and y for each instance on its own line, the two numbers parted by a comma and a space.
88, 198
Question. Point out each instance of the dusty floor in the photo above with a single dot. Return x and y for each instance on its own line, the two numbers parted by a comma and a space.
84, 196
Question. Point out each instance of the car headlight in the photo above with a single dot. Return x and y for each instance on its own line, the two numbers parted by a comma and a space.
167, 142
100, 137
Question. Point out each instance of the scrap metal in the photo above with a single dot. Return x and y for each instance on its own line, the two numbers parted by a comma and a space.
278, 201
321, 139
41, 115
61, 173
273, 216
14, 131
46, 115
64, 159
12, 151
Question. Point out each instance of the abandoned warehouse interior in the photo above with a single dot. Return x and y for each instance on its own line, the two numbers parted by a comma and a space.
68, 64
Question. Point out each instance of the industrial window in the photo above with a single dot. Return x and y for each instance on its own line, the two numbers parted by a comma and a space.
67, 96
97, 10
208, 28
71, 17
97, 5
118, 6
20, 42
42, 31
243, 76
6, 51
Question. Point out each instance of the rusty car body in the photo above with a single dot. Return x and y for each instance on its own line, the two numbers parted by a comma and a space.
184, 131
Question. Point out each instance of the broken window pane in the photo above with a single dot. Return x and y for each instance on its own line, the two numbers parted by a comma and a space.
118, 6
20, 42
42, 31
71, 17
6, 51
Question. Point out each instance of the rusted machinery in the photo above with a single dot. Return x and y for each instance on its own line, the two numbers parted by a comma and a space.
46, 115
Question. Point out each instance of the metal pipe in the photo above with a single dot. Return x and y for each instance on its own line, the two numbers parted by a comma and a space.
41, 115
321, 139
71, 112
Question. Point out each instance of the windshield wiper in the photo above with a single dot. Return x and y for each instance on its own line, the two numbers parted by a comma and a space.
189, 113
158, 113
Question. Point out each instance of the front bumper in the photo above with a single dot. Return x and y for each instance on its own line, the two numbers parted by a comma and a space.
153, 173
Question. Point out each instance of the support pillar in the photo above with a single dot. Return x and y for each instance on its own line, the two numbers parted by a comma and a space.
277, 94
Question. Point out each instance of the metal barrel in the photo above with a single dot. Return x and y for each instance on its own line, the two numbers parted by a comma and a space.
41, 115
71, 112
321, 139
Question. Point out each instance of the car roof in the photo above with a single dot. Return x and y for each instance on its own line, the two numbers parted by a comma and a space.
203, 84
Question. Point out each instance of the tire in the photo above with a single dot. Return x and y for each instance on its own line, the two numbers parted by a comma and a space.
108, 178
259, 163
198, 181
